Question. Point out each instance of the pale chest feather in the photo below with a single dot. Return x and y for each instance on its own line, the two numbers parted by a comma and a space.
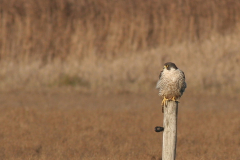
172, 76
171, 80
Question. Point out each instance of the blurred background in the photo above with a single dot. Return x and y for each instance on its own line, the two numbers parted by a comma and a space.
78, 77
119, 46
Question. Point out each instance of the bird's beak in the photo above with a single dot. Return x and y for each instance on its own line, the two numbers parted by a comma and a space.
165, 67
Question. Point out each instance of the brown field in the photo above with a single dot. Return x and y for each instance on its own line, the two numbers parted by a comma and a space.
70, 125
77, 78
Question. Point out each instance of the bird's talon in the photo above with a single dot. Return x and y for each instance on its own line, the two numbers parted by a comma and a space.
164, 101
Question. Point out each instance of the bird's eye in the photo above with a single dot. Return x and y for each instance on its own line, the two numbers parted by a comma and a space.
167, 66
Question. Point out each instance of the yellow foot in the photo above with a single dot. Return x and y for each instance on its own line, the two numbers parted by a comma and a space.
173, 99
164, 101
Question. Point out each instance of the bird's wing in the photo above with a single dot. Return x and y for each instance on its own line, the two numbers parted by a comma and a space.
158, 83
184, 84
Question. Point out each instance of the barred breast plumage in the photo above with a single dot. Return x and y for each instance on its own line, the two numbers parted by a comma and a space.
171, 83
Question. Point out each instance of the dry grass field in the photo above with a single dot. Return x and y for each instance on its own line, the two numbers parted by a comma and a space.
77, 78
119, 46
70, 125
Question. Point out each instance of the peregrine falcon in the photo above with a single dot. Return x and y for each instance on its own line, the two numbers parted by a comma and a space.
171, 83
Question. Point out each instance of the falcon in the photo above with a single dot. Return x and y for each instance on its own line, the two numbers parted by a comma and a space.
171, 83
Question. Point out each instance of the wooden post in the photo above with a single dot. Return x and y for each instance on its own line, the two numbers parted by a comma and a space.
170, 130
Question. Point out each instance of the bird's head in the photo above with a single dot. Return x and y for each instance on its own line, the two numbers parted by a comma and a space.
169, 66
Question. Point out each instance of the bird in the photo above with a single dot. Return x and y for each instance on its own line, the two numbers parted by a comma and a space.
171, 83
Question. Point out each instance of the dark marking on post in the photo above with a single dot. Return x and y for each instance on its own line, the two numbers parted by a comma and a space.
159, 129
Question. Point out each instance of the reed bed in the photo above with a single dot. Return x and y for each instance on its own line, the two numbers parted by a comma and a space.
118, 46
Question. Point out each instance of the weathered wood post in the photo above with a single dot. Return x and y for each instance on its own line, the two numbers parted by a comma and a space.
170, 130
